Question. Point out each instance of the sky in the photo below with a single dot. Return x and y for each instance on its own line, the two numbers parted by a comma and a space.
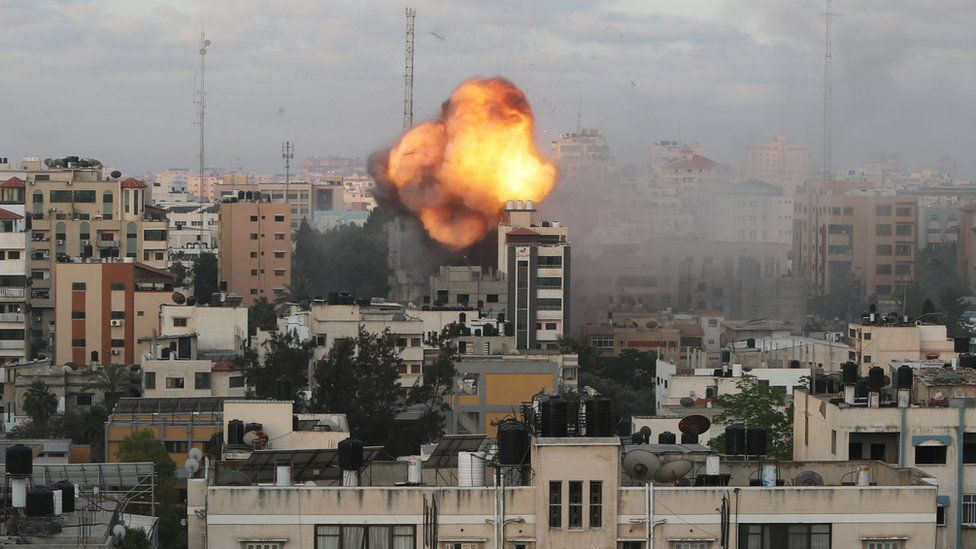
115, 79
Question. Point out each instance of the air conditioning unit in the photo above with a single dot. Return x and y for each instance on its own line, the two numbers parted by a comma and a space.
115, 322
59, 242
116, 352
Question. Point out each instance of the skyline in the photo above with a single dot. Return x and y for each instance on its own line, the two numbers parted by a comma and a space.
330, 78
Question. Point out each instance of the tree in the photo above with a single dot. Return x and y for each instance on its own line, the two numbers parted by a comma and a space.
142, 446
284, 355
179, 271
346, 258
87, 426
135, 538
53, 427
589, 356
205, 282
115, 381
300, 290
360, 378
39, 402
755, 404
261, 313
433, 393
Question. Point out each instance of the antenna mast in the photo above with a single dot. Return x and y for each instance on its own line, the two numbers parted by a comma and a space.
287, 153
579, 117
828, 92
202, 101
408, 73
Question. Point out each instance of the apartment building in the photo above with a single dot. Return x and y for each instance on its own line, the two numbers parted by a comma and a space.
966, 245
693, 173
673, 337
204, 189
69, 384
103, 309
255, 245
536, 260
14, 252
171, 180
193, 229
748, 211
779, 161
322, 203
668, 152
883, 340
173, 378
583, 157
578, 494
468, 286
789, 351
844, 227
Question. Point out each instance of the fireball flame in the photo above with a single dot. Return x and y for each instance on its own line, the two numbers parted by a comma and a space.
456, 172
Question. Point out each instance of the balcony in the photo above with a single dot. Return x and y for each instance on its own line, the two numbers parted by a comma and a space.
13, 292
12, 317
11, 345
102, 244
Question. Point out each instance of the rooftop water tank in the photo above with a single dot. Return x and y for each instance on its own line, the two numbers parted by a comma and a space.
735, 440
666, 437
20, 460
757, 440
904, 377
553, 412
67, 495
849, 373
513, 443
40, 502
351, 454
235, 432
876, 378
599, 417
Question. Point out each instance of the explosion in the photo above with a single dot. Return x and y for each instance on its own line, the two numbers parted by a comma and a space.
455, 173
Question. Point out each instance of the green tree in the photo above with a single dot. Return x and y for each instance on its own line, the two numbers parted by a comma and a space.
179, 271
261, 313
589, 356
142, 446
300, 290
346, 258
755, 404
135, 538
284, 355
114, 381
87, 426
205, 282
53, 427
434, 392
360, 378
39, 402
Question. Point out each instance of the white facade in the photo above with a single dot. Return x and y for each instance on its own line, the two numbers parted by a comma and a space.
216, 328
14, 251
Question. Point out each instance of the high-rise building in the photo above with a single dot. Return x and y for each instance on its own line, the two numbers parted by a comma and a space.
691, 173
667, 152
779, 162
255, 247
536, 261
14, 249
582, 157
322, 204
103, 309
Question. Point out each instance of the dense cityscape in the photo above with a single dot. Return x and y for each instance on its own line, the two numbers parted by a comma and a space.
483, 334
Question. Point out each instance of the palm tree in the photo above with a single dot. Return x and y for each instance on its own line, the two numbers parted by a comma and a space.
40, 403
299, 290
114, 380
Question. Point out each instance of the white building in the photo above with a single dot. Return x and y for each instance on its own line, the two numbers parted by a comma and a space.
14, 249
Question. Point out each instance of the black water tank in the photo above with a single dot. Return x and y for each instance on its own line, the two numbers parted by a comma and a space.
757, 440
904, 377
726, 357
513, 443
960, 344
861, 388
248, 427
849, 373
735, 440
689, 438
67, 495
666, 437
751, 343
509, 329
967, 360
40, 502
794, 363
235, 432
333, 297
20, 460
820, 385
574, 426
351, 454
553, 412
599, 417
876, 378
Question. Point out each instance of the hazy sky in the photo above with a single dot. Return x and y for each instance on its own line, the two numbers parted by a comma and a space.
115, 79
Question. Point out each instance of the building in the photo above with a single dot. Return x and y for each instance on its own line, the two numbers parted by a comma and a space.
460, 286
781, 352
69, 384
732, 331
749, 211
173, 378
204, 189
966, 245
255, 246
171, 180
668, 152
193, 229
675, 338
217, 329
536, 261
15, 343
934, 431
577, 495
779, 162
103, 309
892, 339
691, 173
583, 157
323, 203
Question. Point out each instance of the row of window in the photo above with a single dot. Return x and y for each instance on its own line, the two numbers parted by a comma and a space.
201, 380
900, 269
278, 218
575, 504
901, 229
277, 272
277, 236
278, 255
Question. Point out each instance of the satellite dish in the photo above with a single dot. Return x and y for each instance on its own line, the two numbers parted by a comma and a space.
651, 324
179, 298
808, 478
641, 465
310, 483
191, 465
687, 402
196, 453
116, 174
203, 51
118, 530
694, 425
206, 43
252, 437
674, 470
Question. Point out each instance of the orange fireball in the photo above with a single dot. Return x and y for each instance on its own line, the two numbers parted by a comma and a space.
456, 173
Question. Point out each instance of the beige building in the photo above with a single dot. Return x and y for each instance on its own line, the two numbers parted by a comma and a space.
781, 351
695, 172
192, 378
103, 309
749, 211
966, 244
323, 204
576, 496
255, 248
14, 251
68, 383
667, 152
779, 162
583, 157
881, 343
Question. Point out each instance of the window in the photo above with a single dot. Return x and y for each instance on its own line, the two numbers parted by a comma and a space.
969, 509
279, 236
883, 249
867, 359
555, 504
118, 286
784, 536
264, 545
254, 236
179, 321
254, 218
78, 286
154, 235
690, 544
930, 455
254, 272
235, 382
883, 544
118, 315
174, 383
881, 209
149, 380
903, 269
415, 342
882, 230
903, 229
903, 249
550, 325
279, 272
87, 197
177, 446
550, 283
254, 255
201, 380
365, 537
545, 261
84, 399
596, 504
575, 504
882, 269
904, 211
940, 515
491, 298
118, 343
279, 255
13, 254
279, 218
549, 303
867, 335
77, 342
61, 197
77, 315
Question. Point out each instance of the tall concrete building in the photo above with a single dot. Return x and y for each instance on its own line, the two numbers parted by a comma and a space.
779, 162
536, 261
666, 152
14, 249
694, 172
76, 213
322, 203
582, 156
255, 247
104, 308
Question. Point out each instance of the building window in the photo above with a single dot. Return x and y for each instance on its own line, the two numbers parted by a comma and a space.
575, 504
254, 272
690, 544
867, 335
177, 446
903, 269
882, 230
867, 359
555, 504
279, 218
365, 537
940, 515
174, 383
883, 249
551, 326
254, 218
279, 236
154, 235
254, 236
179, 321
903, 229
596, 504
550, 283
84, 399
882, 269
149, 380
279, 272
201, 380
78, 286
118, 343
548, 261
882, 289
77, 314
884, 544
969, 509
118, 286
254, 255
930, 455
882, 209
235, 382
796, 536
77, 342
415, 342
903, 249
491, 298
902, 212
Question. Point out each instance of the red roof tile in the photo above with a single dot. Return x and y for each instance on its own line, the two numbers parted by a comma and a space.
522, 231
13, 183
7, 215
696, 162
132, 183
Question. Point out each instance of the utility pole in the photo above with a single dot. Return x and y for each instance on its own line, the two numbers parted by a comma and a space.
828, 170
408, 73
287, 153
